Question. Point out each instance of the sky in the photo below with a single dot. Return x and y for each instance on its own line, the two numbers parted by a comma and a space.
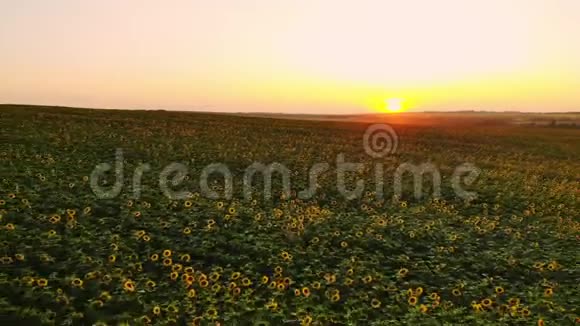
292, 56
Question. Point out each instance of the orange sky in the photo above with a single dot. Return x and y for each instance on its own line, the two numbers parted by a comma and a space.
292, 56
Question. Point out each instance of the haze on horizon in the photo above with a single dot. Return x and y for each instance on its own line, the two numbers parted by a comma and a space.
292, 56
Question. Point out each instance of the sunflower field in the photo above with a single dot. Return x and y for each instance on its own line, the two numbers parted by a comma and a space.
510, 256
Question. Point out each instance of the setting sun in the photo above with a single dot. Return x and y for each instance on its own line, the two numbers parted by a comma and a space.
394, 105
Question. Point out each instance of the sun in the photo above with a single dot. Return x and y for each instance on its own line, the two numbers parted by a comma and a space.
394, 105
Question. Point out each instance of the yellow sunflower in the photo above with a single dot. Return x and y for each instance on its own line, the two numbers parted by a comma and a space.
129, 286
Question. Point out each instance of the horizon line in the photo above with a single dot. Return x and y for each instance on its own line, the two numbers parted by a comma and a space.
193, 110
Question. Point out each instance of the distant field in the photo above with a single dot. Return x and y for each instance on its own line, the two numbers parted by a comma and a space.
571, 119
508, 255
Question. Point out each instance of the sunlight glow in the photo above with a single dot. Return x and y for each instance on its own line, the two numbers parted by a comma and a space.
394, 105
218, 56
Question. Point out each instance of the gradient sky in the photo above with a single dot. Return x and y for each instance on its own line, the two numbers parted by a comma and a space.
292, 56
